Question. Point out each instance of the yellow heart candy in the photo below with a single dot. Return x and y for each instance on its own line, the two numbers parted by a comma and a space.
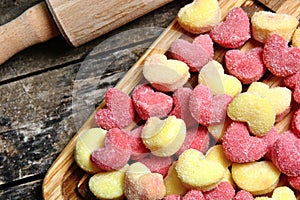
200, 16
257, 178
196, 172
212, 75
265, 23
173, 183
164, 137
279, 97
257, 111
108, 185
85, 145
296, 38
157, 66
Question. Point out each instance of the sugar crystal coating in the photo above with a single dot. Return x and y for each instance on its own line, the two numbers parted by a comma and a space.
193, 194
109, 159
172, 197
224, 191
296, 123
157, 66
296, 38
246, 67
199, 16
194, 55
258, 178
280, 59
234, 31
156, 164
265, 24
206, 43
119, 111
286, 154
196, 138
243, 195
257, 111
150, 103
240, 147
181, 98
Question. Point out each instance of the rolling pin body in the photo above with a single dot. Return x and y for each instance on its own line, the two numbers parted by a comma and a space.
79, 21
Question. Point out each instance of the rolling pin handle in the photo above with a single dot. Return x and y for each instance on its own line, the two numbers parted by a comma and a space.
34, 26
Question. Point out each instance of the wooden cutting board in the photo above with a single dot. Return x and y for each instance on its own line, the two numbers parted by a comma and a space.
65, 180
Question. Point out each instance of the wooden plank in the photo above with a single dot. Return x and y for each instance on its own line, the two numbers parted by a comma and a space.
281, 6
57, 53
29, 191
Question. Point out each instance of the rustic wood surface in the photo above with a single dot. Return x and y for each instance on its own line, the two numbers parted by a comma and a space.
38, 89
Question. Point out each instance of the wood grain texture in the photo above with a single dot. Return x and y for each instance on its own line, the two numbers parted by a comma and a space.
281, 6
81, 21
34, 26
36, 117
70, 182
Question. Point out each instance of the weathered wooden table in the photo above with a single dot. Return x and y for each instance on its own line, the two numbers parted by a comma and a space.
40, 108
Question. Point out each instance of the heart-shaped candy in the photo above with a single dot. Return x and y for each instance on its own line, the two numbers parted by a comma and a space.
280, 59
266, 23
149, 103
246, 67
157, 66
199, 16
234, 31
240, 147
196, 172
119, 111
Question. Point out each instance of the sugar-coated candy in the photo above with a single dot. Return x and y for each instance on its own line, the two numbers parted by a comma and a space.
150, 103
206, 108
270, 139
119, 111
164, 137
280, 59
194, 55
110, 159
294, 182
296, 38
279, 97
228, 178
172, 197
293, 80
213, 76
217, 131
200, 104
173, 183
266, 23
118, 140
108, 185
216, 153
206, 43
296, 123
181, 99
283, 193
138, 149
196, 172
156, 164
140, 183
157, 66
286, 154
234, 31
196, 138
247, 67
199, 16
243, 195
224, 191
89, 141
193, 194
258, 178
257, 111
240, 147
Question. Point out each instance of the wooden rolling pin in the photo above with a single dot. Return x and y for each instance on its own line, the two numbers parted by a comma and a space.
79, 21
